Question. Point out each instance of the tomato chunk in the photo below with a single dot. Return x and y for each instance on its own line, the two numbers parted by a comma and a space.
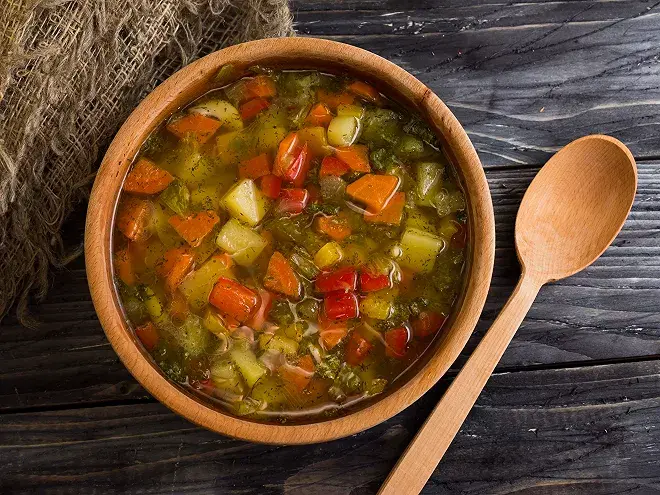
427, 323
293, 160
371, 282
344, 279
233, 299
340, 305
357, 348
254, 167
333, 166
293, 200
396, 340
252, 108
271, 185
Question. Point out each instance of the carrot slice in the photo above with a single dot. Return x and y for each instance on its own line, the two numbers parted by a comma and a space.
336, 227
233, 299
194, 227
146, 178
251, 108
333, 100
365, 91
199, 126
148, 335
261, 86
375, 191
298, 377
319, 115
356, 157
392, 213
254, 167
124, 267
333, 166
280, 276
176, 265
133, 218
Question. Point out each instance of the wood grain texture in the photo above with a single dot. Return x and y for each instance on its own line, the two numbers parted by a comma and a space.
592, 430
524, 78
605, 312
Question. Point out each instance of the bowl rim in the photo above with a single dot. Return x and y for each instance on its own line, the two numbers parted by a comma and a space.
181, 88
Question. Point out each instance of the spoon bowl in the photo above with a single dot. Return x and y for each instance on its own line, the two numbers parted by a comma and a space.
571, 212
575, 207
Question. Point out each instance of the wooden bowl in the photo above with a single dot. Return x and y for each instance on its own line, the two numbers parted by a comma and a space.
194, 80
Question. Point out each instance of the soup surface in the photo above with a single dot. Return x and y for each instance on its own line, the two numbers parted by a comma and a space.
288, 244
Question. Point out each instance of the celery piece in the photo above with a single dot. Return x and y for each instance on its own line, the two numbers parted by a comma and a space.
213, 323
304, 264
198, 285
448, 226
270, 391
244, 244
429, 181
221, 110
409, 148
192, 336
449, 202
153, 304
246, 202
164, 230
419, 250
226, 74
381, 127
330, 254
333, 188
343, 130
282, 344
308, 309
378, 305
246, 362
176, 197
296, 231
225, 376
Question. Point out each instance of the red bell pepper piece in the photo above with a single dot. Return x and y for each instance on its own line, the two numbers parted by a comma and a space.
344, 279
340, 305
371, 282
333, 166
233, 299
293, 160
270, 185
427, 323
357, 348
252, 108
396, 340
293, 200
148, 335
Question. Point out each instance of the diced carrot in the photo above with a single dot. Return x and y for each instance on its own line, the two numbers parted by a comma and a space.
148, 335
261, 86
365, 91
252, 108
336, 227
254, 168
375, 191
298, 377
319, 115
124, 267
280, 276
333, 100
179, 306
333, 166
356, 157
333, 334
257, 320
146, 178
133, 218
271, 185
392, 213
198, 125
177, 263
194, 227
234, 300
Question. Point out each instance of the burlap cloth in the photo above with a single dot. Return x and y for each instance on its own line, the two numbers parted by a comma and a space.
70, 72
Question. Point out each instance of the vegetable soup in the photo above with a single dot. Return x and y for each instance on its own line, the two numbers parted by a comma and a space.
289, 244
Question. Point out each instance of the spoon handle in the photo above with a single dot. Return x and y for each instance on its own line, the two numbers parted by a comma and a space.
420, 459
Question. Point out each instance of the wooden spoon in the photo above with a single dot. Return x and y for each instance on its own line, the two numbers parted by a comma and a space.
572, 211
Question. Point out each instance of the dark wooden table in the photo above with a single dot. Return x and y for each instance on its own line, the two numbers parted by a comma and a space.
574, 406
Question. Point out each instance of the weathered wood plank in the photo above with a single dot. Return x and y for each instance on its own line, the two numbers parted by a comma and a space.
592, 430
608, 311
524, 78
